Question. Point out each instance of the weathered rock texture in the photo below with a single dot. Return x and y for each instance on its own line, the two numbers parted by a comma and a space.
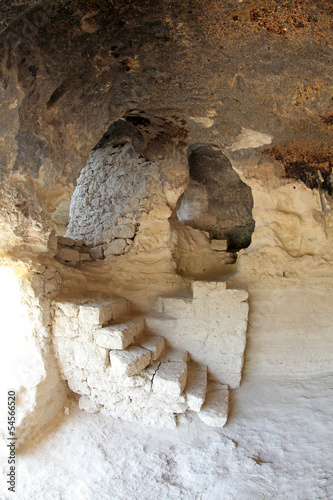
112, 192
252, 78
216, 199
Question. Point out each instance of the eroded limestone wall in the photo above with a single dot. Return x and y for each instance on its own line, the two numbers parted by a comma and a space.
27, 355
287, 270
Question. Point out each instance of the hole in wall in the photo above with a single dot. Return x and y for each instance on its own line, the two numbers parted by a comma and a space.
217, 200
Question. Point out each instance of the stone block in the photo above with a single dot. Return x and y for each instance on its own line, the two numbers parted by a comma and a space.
90, 356
69, 309
129, 411
214, 412
67, 254
85, 355
64, 241
116, 247
170, 378
219, 245
175, 355
166, 403
196, 386
119, 336
124, 231
65, 350
205, 289
97, 252
86, 333
84, 257
64, 326
98, 313
154, 344
130, 361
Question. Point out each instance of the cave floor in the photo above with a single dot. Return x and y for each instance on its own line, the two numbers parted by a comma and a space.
276, 444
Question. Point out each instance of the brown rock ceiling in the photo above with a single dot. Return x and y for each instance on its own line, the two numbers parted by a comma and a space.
198, 71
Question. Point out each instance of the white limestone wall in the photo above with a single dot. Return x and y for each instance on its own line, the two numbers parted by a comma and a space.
26, 354
290, 332
212, 325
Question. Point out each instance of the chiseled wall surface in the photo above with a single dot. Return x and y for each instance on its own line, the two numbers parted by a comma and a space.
289, 332
212, 326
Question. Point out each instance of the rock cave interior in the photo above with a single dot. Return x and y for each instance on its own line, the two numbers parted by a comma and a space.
166, 230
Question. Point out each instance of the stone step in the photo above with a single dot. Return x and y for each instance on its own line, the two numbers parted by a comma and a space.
196, 385
119, 336
130, 361
153, 343
214, 412
171, 354
101, 313
170, 378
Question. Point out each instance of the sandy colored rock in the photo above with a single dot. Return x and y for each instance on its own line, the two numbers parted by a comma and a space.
171, 354
67, 254
96, 313
124, 231
170, 378
119, 336
97, 252
116, 247
214, 412
85, 355
70, 309
120, 308
84, 257
65, 326
66, 242
130, 361
154, 344
196, 385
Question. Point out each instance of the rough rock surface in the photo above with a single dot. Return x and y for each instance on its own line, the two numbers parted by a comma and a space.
113, 190
121, 370
213, 323
251, 78
216, 199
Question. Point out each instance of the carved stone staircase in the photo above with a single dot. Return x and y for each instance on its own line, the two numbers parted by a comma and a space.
108, 356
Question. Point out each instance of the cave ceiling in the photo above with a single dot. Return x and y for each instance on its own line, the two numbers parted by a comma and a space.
181, 73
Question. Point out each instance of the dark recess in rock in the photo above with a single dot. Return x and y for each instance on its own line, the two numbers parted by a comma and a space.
217, 200
328, 120
138, 121
56, 95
